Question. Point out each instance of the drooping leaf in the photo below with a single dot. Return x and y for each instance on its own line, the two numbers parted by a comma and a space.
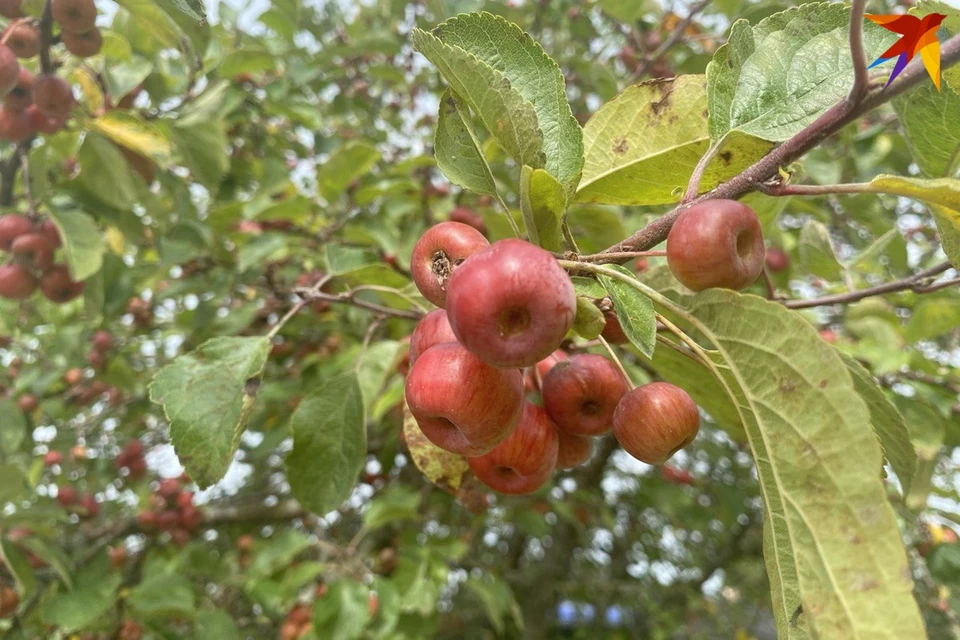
105, 173
442, 468
816, 251
498, 602
329, 445
18, 565
163, 596
772, 79
345, 165
641, 147
457, 149
395, 505
503, 46
130, 131
246, 61
91, 597
543, 205
343, 612
933, 317
82, 241
207, 396
13, 426
634, 311
927, 433
928, 118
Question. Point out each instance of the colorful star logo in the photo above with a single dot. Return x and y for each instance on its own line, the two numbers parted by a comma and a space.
919, 35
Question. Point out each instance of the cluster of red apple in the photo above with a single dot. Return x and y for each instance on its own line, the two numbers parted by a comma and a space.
505, 307
171, 510
41, 104
32, 247
100, 345
83, 504
131, 458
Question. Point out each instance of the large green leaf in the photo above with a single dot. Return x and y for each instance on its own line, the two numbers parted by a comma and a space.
105, 173
816, 251
163, 596
773, 79
92, 597
343, 612
831, 545
641, 147
202, 148
928, 119
207, 396
543, 204
498, 601
510, 119
345, 165
457, 149
504, 47
933, 317
329, 445
82, 241
13, 426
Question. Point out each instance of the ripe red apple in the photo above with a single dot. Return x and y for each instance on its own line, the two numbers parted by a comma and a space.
57, 285
676, 476
15, 126
33, 251
52, 458
9, 601
438, 253
12, 226
9, 70
828, 336
573, 450
612, 330
82, 45
16, 283
11, 8
21, 96
51, 233
147, 519
470, 218
245, 543
91, 509
43, 123
190, 517
76, 16
654, 421
433, 329
168, 520
461, 403
102, 341
717, 243
118, 556
511, 304
66, 496
525, 460
73, 377
777, 260
53, 96
168, 488
28, 403
23, 39
97, 360
581, 394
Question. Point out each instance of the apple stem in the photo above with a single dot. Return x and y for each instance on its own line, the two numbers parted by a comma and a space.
568, 236
506, 212
616, 361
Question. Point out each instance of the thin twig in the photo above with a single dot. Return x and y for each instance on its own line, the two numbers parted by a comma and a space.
616, 361
694, 185
27, 192
624, 255
667, 44
861, 80
911, 283
46, 37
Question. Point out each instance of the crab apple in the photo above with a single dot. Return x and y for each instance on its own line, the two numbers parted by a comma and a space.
57, 285
245, 543
137, 467
41, 122
53, 96
16, 283
73, 377
438, 253
9, 70
21, 96
11, 8
289, 631
511, 304
433, 329
190, 517
91, 509
612, 330
461, 403
82, 45
542, 368
97, 360
168, 488
15, 126
373, 603
829, 336
525, 460
9, 601
28, 403
468, 217
23, 39
147, 519
50, 232
777, 260
12, 226
118, 556
66, 496
33, 251
581, 394
52, 458
102, 341
676, 476
168, 520
717, 243
76, 16
573, 450
654, 421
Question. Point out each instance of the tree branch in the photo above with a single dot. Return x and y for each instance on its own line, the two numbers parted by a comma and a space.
911, 283
861, 81
674, 37
834, 119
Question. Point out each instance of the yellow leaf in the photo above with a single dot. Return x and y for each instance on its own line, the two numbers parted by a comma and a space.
116, 241
92, 92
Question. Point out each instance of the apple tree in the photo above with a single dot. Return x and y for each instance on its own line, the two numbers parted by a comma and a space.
539, 318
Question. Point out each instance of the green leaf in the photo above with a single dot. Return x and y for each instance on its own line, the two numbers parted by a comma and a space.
104, 172
510, 119
503, 46
589, 321
627, 11
82, 241
634, 311
124, 77
457, 149
933, 317
927, 433
215, 624
246, 61
944, 564
14, 426
773, 79
278, 552
642, 146
92, 597
329, 445
53, 556
396, 504
498, 601
816, 251
888, 423
343, 612
588, 288
543, 205
345, 165
442, 468
151, 21
207, 396
202, 148
13, 482
129, 130
163, 596
261, 249
831, 541
18, 564
928, 120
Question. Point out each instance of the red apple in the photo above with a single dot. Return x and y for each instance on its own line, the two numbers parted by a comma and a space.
118, 556
16, 282
581, 394
90, 508
21, 96
676, 476
66, 496
102, 341
433, 329
511, 304
75, 16
57, 285
51, 233
82, 45
52, 458
525, 460
573, 450
12, 226
33, 251
543, 367
438, 253
28, 403
468, 217
53, 96
23, 39
9, 70
654, 421
777, 260
717, 243
11, 8
41, 122
461, 403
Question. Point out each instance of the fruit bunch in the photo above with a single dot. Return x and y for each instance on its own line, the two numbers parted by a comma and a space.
171, 510
83, 504
30, 266
505, 307
131, 458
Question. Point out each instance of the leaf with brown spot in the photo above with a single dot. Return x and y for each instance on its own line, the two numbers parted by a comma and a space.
442, 468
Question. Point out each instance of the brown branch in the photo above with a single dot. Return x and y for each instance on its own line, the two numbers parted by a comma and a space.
861, 80
667, 44
834, 119
911, 283
46, 37
349, 297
